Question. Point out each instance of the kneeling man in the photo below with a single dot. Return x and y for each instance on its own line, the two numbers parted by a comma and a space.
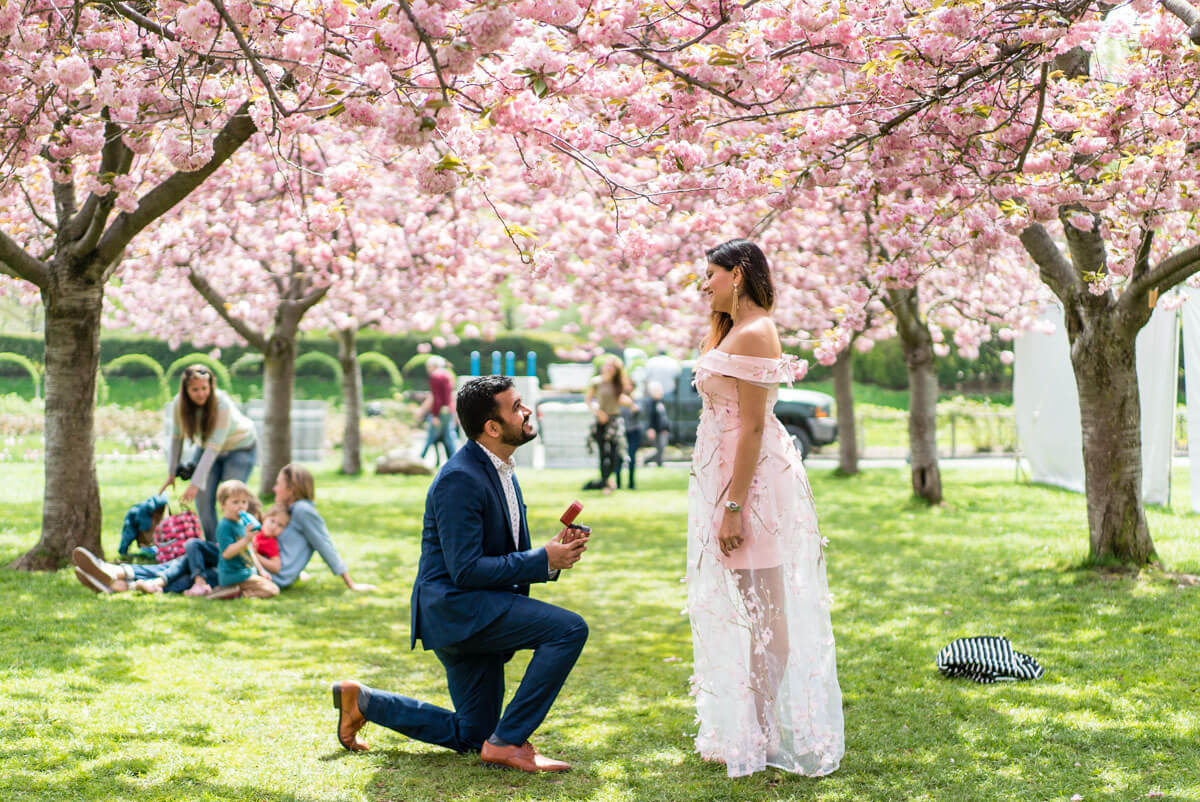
470, 602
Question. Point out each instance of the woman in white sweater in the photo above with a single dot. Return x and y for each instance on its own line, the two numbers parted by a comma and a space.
228, 444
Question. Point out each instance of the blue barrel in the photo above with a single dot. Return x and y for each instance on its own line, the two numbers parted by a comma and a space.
474, 363
510, 363
531, 363
495, 363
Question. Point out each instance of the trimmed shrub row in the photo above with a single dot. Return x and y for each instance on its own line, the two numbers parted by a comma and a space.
883, 365
398, 348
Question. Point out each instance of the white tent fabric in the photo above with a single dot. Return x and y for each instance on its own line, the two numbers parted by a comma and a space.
1191, 370
1046, 401
1157, 366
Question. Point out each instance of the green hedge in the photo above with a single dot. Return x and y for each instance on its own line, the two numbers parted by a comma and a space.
26, 366
399, 348
122, 363
373, 360
176, 368
884, 366
330, 367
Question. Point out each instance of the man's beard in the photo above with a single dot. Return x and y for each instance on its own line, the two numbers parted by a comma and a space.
516, 436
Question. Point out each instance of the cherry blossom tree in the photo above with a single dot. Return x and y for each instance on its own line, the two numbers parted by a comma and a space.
114, 113
993, 105
1020, 111
274, 248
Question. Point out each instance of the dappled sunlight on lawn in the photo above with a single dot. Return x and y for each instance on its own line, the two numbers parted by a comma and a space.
164, 698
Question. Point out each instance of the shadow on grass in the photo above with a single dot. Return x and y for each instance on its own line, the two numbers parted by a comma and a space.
996, 558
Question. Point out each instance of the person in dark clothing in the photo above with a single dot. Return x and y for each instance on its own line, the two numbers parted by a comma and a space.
658, 425
471, 604
632, 417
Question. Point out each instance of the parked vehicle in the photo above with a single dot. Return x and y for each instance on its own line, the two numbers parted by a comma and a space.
806, 414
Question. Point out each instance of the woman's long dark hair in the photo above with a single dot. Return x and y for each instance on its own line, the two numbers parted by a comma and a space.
620, 380
188, 409
756, 283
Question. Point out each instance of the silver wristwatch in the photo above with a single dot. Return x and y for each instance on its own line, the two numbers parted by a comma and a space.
733, 506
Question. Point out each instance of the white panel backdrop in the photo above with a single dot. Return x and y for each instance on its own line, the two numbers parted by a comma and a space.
1157, 366
1047, 405
1191, 370
1046, 401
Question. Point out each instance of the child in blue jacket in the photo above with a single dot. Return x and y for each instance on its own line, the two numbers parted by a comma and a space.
140, 521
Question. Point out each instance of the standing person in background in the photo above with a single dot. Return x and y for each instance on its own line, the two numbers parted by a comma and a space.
658, 425
228, 444
631, 418
662, 368
438, 409
607, 393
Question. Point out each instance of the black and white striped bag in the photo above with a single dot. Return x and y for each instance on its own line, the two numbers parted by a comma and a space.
986, 658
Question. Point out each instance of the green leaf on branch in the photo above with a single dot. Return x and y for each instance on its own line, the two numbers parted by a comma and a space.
723, 58
452, 163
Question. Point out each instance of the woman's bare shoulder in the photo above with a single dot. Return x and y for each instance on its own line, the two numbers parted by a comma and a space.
759, 339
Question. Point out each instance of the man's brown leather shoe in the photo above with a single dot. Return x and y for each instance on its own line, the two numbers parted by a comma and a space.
350, 718
523, 757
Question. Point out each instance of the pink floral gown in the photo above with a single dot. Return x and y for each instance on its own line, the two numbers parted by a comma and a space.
765, 676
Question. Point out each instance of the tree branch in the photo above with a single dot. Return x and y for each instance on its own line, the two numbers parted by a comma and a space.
158, 201
33, 209
1037, 118
428, 43
1058, 273
692, 81
15, 261
64, 201
251, 57
142, 21
1173, 270
1141, 262
1088, 252
1188, 13
311, 300
218, 302
87, 226
904, 309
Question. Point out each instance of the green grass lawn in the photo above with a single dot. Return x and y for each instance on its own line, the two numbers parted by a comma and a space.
166, 698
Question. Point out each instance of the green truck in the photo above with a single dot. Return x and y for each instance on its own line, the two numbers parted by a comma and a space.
807, 414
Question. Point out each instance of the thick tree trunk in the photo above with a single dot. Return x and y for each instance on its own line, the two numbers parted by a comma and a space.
922, 420
843, 395
352, 402
71, 502
1109, 409
1102, 329
279, 381
922, 395
87, 248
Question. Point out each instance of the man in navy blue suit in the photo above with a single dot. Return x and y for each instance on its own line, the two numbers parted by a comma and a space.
470, 602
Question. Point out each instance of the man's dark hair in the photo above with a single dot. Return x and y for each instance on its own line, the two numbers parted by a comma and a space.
476, 402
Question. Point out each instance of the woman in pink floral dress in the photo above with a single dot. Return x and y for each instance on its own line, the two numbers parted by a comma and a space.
765, 677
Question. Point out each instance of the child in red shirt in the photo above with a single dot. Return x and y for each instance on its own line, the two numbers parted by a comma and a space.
266, 543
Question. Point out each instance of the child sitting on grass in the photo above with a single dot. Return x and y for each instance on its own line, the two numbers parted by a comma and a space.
235, 567
266, 543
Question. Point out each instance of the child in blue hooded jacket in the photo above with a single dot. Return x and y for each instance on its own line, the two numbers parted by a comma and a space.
140, 522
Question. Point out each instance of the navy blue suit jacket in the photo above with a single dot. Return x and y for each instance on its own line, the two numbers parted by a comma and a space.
470, 569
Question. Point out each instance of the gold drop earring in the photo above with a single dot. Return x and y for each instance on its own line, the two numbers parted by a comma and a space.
733, 311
